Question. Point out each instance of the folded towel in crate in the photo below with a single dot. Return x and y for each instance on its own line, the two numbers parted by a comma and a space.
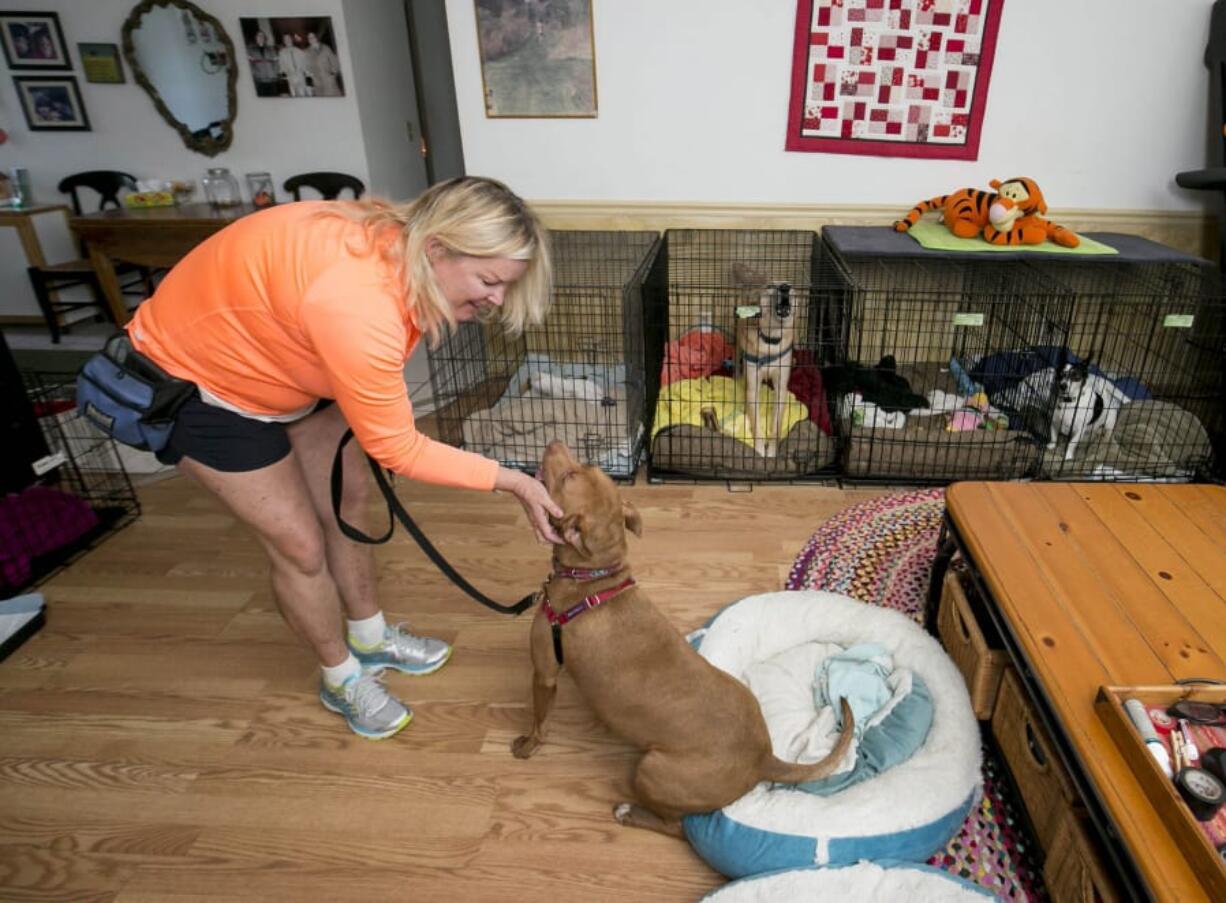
720, 401
519, 426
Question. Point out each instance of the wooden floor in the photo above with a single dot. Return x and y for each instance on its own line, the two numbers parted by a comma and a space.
161, 738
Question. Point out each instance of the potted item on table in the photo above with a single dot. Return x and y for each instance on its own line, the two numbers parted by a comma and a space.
260, 187
183, 190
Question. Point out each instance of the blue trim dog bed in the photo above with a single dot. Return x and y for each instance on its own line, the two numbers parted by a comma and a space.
907, 812
862, 881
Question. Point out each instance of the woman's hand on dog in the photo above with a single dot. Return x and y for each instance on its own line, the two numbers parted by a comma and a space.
536, 501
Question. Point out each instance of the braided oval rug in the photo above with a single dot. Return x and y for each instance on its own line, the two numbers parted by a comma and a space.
881, 552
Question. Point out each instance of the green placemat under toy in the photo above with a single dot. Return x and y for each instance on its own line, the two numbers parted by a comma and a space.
936, 237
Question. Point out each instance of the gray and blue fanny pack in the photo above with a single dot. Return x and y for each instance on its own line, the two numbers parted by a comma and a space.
129, 397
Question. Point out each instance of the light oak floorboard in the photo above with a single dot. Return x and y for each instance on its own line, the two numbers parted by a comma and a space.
161, 738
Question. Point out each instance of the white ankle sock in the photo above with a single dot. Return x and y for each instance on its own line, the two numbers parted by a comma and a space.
336, 675
368, 631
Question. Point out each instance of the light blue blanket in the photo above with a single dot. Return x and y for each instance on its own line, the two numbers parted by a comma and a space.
861, 674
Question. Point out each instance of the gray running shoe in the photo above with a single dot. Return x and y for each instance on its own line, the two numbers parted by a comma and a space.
371, 711
403, 651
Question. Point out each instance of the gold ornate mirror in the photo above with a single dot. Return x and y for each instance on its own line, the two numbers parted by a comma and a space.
185, 61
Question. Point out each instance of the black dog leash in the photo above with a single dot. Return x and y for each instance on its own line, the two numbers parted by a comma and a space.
396, 511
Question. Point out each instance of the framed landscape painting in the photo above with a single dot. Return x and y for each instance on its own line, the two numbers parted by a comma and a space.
538, 58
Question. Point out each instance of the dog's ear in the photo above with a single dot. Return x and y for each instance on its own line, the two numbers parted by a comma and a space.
571, 528
744, 274
634, 521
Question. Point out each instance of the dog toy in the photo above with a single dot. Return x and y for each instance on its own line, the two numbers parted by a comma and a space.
858, 412
567, 387
1011, 215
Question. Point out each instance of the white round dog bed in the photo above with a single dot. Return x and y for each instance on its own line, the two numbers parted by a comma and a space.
863, 881
907, 812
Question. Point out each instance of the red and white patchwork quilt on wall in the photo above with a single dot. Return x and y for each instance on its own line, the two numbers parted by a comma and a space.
896, 78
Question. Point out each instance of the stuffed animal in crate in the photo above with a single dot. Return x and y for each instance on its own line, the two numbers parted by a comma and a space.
1010, 215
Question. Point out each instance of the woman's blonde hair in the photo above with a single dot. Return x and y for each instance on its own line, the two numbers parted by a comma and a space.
470, 216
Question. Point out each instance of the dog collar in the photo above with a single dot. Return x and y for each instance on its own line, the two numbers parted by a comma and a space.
556, 620
766, 358
583, 575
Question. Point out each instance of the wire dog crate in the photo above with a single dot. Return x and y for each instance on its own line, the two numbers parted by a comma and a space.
1021, 364
577, 377
1150, 338
82, 494
923, 335
736, 344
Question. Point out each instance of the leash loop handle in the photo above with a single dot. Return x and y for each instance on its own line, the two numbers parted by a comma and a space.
338, 486
397, 512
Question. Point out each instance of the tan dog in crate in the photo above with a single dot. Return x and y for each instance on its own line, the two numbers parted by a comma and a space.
764, 351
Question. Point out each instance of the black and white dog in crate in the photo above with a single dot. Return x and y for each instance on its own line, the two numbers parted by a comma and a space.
1085, 402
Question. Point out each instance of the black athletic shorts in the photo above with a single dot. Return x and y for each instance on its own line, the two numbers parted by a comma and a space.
224, 440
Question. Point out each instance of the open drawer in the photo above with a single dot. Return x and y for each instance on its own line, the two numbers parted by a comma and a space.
1192, 837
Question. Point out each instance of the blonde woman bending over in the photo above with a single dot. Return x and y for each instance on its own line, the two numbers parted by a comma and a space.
293, 308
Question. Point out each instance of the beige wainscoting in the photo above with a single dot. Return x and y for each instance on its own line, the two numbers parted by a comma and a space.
1190, 231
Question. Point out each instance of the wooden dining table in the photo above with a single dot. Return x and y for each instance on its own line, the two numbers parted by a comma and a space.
149, 236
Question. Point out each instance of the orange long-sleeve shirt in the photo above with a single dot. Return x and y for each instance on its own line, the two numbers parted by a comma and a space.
282, 308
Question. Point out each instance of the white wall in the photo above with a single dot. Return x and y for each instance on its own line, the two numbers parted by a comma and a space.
1100, 101
379, 44
283, 136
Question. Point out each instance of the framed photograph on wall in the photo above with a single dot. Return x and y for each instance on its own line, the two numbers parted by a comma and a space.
33, 41
293, 56
538, 58
52, 103
101, 63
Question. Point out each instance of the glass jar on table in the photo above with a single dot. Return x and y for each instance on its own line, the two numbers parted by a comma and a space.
221, 188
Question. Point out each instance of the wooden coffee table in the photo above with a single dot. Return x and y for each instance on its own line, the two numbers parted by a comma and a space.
1092, 585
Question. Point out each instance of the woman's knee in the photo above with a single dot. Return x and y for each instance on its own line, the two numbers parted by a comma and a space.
300, 547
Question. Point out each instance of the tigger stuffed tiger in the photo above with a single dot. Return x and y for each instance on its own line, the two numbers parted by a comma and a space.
1008, 216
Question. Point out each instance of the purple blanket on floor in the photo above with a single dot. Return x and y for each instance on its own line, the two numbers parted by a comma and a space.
37, 521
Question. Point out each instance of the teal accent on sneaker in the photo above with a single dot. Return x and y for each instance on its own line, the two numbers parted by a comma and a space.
403, 652
370, 710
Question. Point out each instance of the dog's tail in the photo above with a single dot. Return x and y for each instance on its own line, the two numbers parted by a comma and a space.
783, 772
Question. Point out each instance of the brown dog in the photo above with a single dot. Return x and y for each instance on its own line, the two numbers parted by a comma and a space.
764, 351
706, 743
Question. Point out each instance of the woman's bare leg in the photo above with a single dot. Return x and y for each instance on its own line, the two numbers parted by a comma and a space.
352, 564
275, 502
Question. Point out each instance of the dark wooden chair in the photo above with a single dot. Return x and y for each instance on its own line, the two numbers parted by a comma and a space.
49, 279
106, 183
328, 184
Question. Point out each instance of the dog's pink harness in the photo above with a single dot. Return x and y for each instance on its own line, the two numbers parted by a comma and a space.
582, 575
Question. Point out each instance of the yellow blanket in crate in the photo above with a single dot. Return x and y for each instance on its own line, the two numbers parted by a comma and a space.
684, 401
